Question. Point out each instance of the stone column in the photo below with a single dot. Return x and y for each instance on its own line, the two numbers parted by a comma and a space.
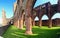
49, 14
15, 9
21, 22
33, 22
19, 14
18, 23
15, 21
40, 14
50, 23
40, 22
28, 18
28, 23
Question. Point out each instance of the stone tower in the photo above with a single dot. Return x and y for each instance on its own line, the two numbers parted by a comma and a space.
4, 20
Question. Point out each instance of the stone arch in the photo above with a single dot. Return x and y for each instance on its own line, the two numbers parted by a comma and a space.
46, 17
55, 16
40, 19
33, 15
56, 19
36, 18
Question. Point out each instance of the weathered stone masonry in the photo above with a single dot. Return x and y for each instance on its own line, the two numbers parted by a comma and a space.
24, 10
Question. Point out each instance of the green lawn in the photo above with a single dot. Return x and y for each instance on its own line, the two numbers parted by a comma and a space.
43, 32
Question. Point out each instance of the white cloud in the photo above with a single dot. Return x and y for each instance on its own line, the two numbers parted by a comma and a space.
0, 20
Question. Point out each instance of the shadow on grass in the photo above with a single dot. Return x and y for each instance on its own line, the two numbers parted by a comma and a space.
46, 33
38, 32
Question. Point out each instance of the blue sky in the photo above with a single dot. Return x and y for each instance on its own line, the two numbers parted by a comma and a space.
39, 2
8, 6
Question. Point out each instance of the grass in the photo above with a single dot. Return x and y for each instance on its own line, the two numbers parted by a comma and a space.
43, 32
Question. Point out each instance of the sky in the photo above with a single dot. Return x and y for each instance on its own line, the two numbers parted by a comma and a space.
8, 7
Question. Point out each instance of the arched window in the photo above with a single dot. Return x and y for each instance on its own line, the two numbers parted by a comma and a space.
44, 17
36, 18
57, 15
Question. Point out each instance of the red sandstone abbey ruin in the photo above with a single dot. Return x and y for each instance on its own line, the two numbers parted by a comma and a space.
25, 13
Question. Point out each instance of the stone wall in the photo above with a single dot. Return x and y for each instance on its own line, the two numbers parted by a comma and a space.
45, 22
55, 22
